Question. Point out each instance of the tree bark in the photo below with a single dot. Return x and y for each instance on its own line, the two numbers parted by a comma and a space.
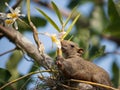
26, 45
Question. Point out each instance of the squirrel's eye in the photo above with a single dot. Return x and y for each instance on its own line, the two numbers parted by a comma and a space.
72, 46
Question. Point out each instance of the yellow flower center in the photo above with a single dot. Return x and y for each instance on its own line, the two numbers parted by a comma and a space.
12, 15
53, 38
8, 21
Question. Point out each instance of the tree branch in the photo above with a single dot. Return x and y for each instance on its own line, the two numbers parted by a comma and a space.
18, 2
25, 45
112, 38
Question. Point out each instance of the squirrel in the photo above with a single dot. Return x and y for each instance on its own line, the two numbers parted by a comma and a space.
73, 66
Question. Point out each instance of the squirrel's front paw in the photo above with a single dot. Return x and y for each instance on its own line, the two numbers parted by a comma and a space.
59, 58
59, 64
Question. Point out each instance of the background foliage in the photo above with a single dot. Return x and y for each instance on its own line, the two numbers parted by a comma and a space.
89, 32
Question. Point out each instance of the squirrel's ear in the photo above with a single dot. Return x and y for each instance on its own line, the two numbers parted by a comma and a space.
80, 50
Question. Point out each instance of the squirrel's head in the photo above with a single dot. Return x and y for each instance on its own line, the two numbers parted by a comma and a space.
71, 48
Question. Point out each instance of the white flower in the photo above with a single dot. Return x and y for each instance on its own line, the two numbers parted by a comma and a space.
56, 38
13, 16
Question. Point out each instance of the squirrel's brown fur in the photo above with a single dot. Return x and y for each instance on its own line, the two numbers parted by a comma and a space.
73, 66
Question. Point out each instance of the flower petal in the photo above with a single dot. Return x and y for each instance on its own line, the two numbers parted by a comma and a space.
11, 10
61, 34
15, 25
17, 10
3, 15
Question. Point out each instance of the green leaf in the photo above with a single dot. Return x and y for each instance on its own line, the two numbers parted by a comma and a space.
113, 14
71, 26
3, 6
12, 64
69, 17
38, 21
74, 3
117, 4
49, 19
100, 19
82, 37
96, 51
57, 12
28, 10
116, 72
4, 75
113, 28
23, 83
101, 50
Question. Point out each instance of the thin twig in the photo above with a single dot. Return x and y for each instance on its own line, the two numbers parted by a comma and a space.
8, 51
35, 32
29, 60
16, 4
114, 52
22, 87
39, 44
37, 41
112, 38
9, 83
68, 87
93, 83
